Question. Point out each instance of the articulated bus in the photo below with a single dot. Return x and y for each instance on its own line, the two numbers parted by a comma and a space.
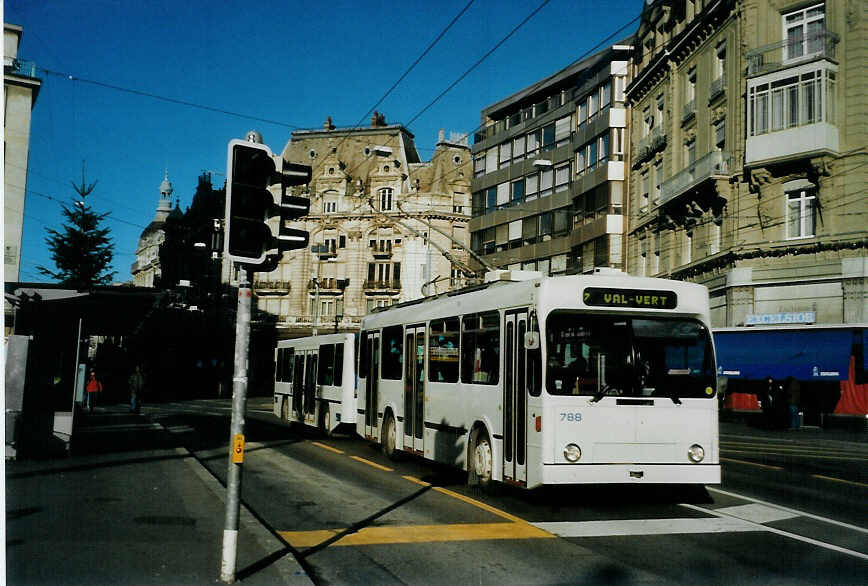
534, 380
315, 381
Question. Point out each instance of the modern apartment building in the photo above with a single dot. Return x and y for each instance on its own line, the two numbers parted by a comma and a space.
20, 89
384, 226
549, 171
749, 160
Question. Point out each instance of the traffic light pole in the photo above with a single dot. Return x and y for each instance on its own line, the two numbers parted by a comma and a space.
236, 452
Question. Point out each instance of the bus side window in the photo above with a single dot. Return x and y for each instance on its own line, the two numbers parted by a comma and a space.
325, 374
287, 364
339, 365
364, 357
480, 348
278, 366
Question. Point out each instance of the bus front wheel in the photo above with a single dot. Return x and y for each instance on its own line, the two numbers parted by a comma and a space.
481, 460
389, 437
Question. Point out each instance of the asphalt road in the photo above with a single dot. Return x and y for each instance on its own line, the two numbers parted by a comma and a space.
791, 509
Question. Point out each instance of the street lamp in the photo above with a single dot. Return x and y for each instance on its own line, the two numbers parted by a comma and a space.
317, 249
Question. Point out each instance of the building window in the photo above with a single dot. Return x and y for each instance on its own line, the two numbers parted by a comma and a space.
580, 161
689, 94
517, 191
562, 130
533, 142
643, 203
458, 202
720, 134
562, 177
479, 165
620, 84
617, 144
531, 187
714, 238
648, 120
518, 149
583, 113
719, 65
794, 101
330, 207
604, 148
491, 160
505, 154
805, 31
548, 137
658, 180
690, 152
546, 182
659, 113
801, 212
385, 199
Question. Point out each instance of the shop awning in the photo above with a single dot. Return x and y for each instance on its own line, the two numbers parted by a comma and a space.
805, 354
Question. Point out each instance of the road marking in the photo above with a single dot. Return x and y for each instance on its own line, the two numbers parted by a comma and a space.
722, 459
470, 501
327, 447
372, 464
645, 527
417, 534
757, 513
787, 509
833, 479
802, 454
797, 537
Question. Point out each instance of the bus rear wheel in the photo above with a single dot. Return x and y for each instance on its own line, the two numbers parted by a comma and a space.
389, 437
325, 420
481, 460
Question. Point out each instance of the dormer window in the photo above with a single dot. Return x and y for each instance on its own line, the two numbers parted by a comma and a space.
385, 199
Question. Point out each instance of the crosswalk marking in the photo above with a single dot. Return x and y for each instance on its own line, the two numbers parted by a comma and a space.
644, 527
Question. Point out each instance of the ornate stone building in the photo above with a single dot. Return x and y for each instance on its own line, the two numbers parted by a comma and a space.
749, 159
146, 269
384, 226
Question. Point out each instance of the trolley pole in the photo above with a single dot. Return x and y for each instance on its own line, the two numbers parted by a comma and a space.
236, 445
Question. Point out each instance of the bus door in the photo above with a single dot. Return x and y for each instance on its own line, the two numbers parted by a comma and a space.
414, 388
310, 387
515, 398
372, 384
298, 386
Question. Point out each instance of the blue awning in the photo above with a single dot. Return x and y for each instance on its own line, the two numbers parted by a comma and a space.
807, 354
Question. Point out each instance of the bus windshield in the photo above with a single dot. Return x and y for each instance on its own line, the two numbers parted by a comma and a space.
619, 355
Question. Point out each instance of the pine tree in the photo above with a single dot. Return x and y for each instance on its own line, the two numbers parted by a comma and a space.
83, 251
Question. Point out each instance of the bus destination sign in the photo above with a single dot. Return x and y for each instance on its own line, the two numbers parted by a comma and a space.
636, 298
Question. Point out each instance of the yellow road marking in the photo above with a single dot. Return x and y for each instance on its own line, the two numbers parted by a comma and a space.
833, 479
469, 501
372, 464
751, 463
327, 447
417, 534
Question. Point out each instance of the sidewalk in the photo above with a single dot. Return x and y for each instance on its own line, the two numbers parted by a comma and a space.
128, 506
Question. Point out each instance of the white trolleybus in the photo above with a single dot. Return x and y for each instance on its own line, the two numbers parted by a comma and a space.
528, 380
315, 381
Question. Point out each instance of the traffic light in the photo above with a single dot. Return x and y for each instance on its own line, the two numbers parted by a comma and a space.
250, 169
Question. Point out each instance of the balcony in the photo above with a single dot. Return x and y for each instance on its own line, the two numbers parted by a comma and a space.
785, 54
718, 88
388, 285
688, 111
267, 288
792, 112
20, 68
648, 145
714, 165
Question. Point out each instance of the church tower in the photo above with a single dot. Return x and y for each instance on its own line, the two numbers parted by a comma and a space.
146, 270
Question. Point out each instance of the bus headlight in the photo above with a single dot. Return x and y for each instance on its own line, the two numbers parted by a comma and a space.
696, 453
572, 452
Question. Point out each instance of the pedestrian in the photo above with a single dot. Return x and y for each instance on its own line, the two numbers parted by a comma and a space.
766, 400
93, 387
794, 399
137, 387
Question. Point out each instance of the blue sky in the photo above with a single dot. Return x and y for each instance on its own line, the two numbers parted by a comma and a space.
288, 62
